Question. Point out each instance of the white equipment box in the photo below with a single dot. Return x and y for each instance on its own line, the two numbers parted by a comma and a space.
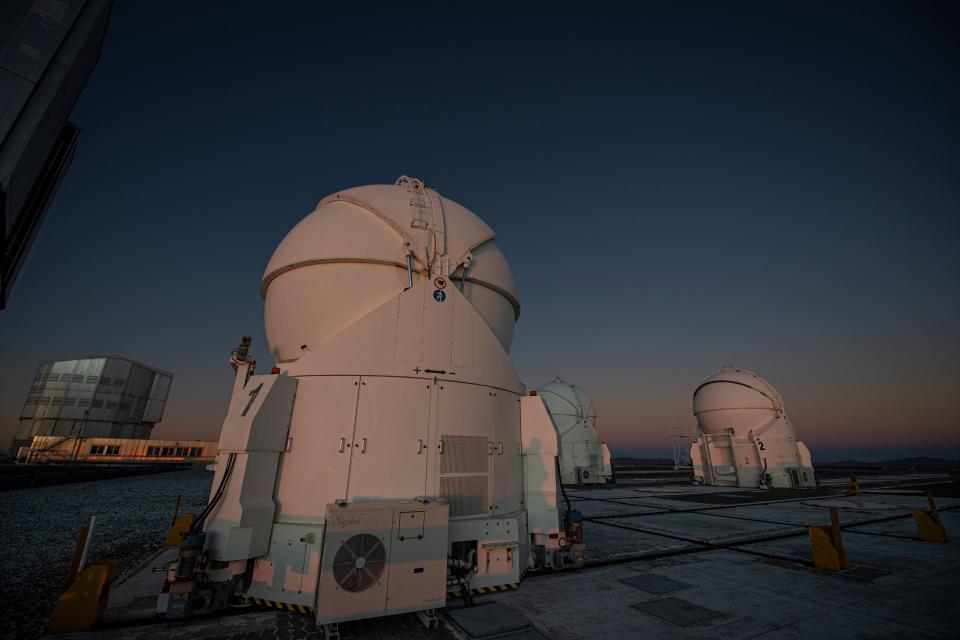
382, 558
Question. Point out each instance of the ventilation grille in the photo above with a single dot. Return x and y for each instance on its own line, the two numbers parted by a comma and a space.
359, 562
464, 454
466, 495
594, 459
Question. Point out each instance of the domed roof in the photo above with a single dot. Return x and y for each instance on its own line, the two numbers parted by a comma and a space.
571, 407
761, 392
351, 255
736, 399
383, 224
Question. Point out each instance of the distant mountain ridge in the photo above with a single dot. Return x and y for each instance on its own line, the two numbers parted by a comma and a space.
920, 463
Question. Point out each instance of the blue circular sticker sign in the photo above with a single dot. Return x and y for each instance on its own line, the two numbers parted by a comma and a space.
439, 295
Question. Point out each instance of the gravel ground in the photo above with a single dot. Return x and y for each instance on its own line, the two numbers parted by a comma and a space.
39, 528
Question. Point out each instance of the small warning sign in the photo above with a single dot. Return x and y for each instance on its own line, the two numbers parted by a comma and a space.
440, 283
439, 295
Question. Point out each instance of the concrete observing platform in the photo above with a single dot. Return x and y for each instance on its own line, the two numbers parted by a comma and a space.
670, 560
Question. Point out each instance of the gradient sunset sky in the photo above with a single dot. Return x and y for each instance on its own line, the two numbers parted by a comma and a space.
770, 185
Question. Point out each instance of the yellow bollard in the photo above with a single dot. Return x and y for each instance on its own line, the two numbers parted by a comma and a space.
828, 551
929, 525
78, 553
84, 601
179, 529
853, 487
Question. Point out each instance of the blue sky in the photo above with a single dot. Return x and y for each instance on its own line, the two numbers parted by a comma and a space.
769, 185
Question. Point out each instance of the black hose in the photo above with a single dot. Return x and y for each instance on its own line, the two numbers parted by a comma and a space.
221, 489
198, 522
216, 496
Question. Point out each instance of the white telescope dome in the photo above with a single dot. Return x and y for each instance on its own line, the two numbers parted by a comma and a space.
571, 408
351, 255
736, 399
584, 458
746, 438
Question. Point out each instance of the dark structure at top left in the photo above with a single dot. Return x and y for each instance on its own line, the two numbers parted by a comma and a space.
48, 48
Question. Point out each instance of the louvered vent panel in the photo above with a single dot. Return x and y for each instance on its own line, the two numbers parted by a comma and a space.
464, 454
466, 495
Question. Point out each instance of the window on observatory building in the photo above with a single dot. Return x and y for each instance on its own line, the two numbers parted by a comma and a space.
153, 451
167, 451
113, 450
97, 450
196, 451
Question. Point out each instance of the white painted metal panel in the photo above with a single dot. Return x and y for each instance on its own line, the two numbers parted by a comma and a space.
315, 469
409, 325
259, 415
540, 447
310, 304
507, 462
390, 439
240, 527
290, 570
437, 343
418, 558
462, 342
464, 423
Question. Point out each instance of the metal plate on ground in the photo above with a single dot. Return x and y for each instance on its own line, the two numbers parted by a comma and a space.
526, 634
488, 619
677, 611
861, 574
654, 583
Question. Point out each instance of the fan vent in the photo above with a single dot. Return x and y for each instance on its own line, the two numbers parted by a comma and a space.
359, 562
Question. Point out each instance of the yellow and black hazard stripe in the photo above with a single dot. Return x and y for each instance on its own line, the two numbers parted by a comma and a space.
297, 608
477, 590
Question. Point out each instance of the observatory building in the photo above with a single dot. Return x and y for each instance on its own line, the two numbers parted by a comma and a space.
744, 437
391, 454
584, 459
97, 396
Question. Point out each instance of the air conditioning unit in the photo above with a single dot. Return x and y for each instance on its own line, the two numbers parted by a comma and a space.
382, 558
